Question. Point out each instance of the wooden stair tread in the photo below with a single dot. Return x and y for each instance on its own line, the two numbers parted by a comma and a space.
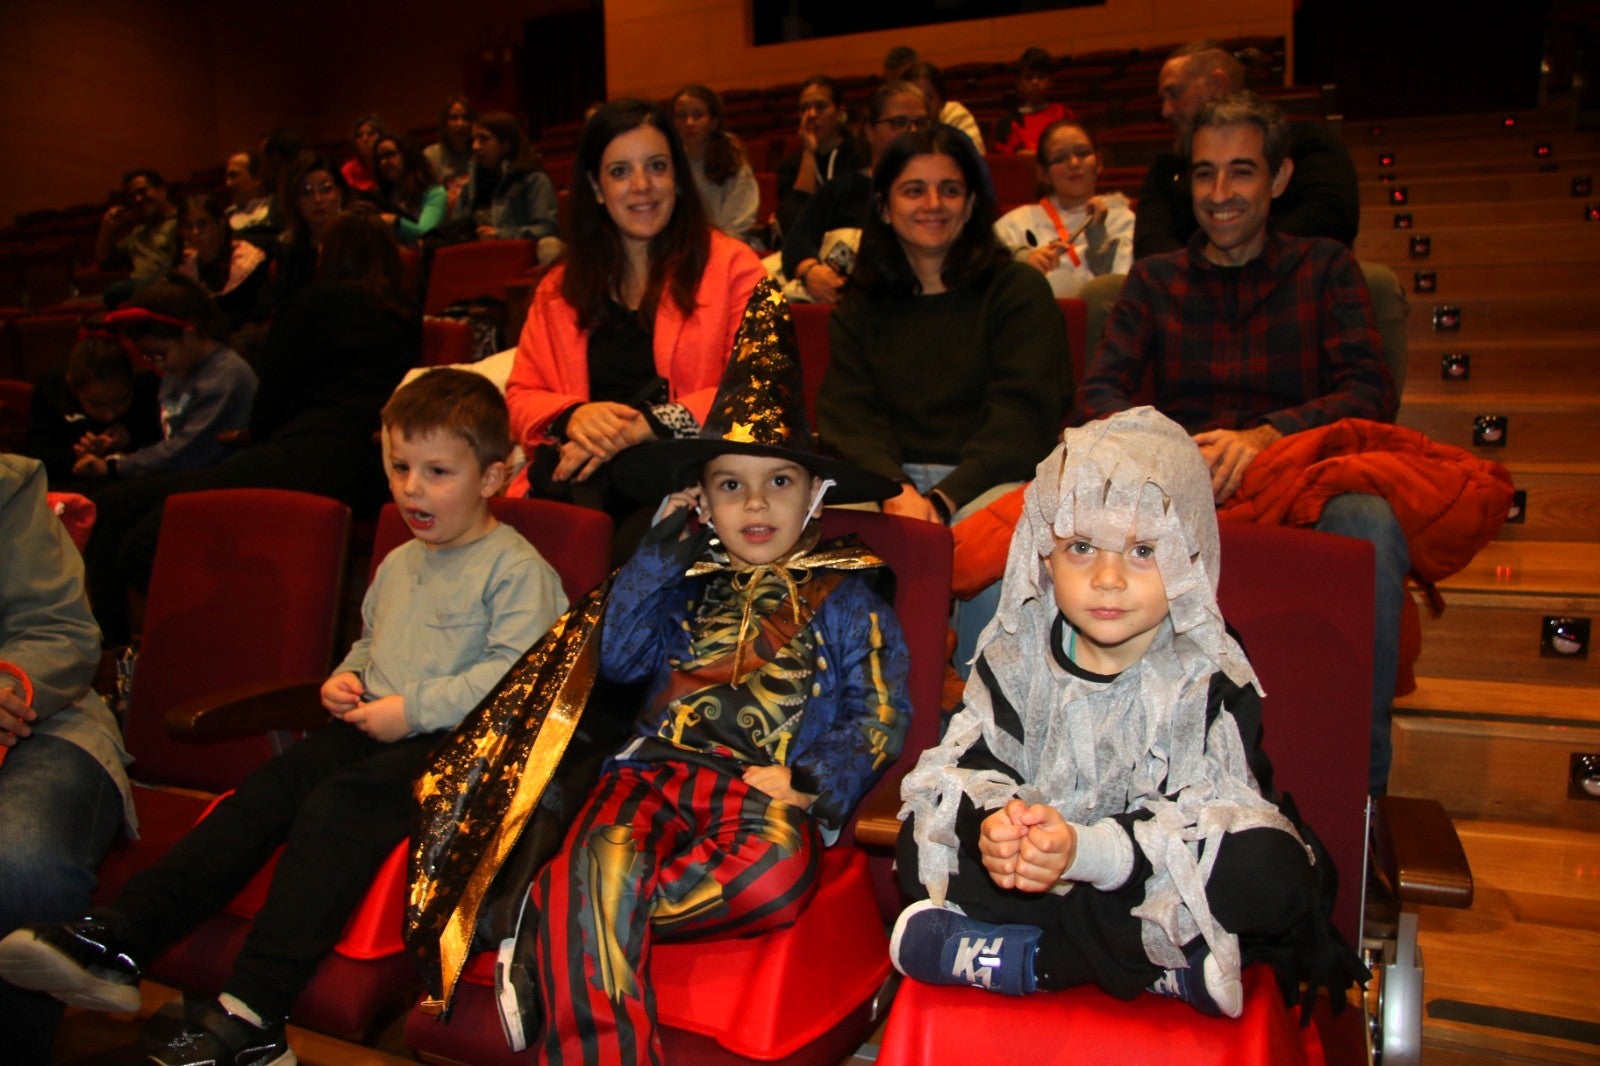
1534, 917
1504, 854
1502, 699
1487, 159
1466, 215
1469, 281
1579, 468
1562, 568
1507, 400
1573, 344
1519, 958
1572, 241
1375, 195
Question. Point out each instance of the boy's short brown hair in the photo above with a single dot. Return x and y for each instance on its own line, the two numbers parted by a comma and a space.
453, 401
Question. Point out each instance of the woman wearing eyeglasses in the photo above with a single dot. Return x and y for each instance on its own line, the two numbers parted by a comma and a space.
948, 368
896, 107
1071, 236
314, 195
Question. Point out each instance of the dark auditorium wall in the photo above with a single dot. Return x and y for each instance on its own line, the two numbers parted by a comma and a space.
89, 88
653, 46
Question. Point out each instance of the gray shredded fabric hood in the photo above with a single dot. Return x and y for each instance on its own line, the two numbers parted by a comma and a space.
1138, 741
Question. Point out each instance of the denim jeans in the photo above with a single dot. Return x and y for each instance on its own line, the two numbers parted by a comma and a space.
1370, 518
61, 813
970, 616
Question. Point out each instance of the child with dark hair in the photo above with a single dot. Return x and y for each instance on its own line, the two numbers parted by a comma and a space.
775, 680
1019, 129
361, 169
508, 194
410, 196
451, 155
722, 174
233, 269
206, 387
97, 404
446, 614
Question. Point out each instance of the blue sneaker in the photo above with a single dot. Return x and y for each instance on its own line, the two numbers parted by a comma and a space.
941, 946
1201, 984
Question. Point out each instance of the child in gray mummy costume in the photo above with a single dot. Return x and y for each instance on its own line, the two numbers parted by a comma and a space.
1100, 809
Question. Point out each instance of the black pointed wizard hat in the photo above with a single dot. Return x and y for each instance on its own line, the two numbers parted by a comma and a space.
758, 410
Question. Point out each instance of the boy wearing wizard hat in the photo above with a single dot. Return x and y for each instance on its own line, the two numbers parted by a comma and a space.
776, 696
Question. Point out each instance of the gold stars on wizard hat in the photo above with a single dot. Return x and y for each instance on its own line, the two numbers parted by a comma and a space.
758, 410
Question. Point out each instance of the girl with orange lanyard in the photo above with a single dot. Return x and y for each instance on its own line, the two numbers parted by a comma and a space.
1071, 235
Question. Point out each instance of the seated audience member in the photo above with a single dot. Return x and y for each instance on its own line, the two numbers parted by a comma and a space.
627, 336
278, 150
451, 155
827, 149
1253, 334
1071, 235
96, 404
334, 353
1322, 198
206, 388
817, 273
930, 79
896, 60
251, 212
410, 197
233, 270
1103, 791
140, 233
313, 196
722, 174
1019, 130
763, 691
949, 369
508, 194
446, 615
62, 787
361, 169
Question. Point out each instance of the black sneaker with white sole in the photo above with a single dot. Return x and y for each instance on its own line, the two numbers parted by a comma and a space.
210, 1036
79, 962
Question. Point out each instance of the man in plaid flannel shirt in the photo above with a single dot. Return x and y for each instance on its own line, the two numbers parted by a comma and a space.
1248, 335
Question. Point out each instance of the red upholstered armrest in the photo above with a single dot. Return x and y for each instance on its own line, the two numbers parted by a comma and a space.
250, 709
1417, 853
877, 824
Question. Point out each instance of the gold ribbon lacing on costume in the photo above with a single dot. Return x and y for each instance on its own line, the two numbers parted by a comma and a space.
790, 570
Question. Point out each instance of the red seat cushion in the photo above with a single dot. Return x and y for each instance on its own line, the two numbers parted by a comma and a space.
931, 1026
706, 986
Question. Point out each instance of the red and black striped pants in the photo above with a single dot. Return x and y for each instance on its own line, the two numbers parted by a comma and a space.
671, 850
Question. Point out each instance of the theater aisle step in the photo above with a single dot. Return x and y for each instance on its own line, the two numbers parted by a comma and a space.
1516, 978
1504, 326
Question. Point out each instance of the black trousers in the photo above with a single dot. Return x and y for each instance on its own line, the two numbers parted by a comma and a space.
1261, 885
339, 802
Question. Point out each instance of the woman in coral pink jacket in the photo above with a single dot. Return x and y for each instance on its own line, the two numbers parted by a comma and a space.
626, 338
